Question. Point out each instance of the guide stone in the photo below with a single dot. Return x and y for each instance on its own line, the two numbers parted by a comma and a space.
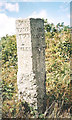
31, 62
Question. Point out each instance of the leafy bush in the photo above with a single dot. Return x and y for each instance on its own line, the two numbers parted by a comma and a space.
58, 52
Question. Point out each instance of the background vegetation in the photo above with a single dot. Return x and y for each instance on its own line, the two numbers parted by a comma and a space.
57, 58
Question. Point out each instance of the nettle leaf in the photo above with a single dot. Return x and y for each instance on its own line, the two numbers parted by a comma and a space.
11, 109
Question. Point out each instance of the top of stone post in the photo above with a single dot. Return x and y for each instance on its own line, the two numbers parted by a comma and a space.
22, 19
20, 22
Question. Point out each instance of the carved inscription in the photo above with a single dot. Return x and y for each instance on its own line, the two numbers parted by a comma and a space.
25, 48
31, 62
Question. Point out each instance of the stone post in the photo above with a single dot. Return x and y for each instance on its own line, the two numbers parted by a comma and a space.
31, 62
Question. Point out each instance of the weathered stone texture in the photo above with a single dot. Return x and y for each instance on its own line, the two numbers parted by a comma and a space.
31, 61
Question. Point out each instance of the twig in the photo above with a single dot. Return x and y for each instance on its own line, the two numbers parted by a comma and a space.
49, 109
60, 109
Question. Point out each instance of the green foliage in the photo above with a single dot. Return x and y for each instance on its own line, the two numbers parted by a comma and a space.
9, 72
9, 51
7, 90
58, 52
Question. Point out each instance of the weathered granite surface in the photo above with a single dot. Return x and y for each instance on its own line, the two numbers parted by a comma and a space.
31, 62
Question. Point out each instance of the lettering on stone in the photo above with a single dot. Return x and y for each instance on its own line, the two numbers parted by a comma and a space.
21, 31
31, 62
25, 48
